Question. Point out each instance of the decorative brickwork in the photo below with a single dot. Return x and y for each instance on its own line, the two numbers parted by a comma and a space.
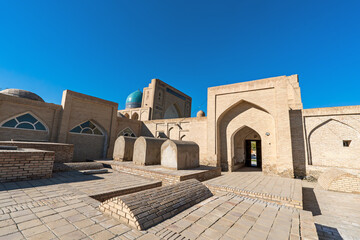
148, 208
25, 164
63, 152
340, 181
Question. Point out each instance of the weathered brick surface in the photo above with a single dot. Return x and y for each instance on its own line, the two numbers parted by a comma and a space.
63, 152
148, 208
340, 181
25, 164
124, 148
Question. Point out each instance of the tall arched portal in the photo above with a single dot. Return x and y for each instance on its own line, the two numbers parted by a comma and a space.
245, 131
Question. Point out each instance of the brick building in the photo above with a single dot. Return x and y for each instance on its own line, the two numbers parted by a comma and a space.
258, 123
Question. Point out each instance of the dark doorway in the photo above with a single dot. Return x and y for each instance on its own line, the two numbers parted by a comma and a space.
253, 153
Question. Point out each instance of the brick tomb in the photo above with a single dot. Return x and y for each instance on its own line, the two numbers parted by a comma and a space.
147, 208
25, 164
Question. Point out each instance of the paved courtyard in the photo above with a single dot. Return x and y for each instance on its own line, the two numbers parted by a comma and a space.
336, 215
60, 208
252, 183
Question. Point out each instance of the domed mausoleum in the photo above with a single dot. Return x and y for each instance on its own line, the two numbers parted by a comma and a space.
22, 94
134, 99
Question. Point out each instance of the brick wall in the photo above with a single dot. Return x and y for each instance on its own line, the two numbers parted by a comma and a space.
25, 164
63, 152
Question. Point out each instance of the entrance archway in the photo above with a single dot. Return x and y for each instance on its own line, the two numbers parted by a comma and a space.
246, 149
245, 118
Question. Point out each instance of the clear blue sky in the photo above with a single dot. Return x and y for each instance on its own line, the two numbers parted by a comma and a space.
109, 49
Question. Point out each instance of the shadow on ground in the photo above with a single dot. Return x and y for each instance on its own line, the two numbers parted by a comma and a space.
326, 233
249, 169
57, 178
310, 202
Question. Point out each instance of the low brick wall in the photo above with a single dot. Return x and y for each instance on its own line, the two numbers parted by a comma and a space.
147, 208
63, 152
25, 164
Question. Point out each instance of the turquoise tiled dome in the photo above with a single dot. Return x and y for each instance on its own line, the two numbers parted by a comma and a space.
134, 99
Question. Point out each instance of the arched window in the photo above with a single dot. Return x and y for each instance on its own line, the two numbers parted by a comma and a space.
127, 132
87, 127
25, 121
135, 116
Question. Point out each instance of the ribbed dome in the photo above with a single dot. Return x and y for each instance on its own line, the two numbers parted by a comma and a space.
134, 99
22, 94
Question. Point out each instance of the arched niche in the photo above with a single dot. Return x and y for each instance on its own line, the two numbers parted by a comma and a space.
172, 112
327, 145
90, 140
135, 116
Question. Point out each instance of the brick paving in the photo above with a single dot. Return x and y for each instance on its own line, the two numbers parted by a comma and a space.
16, 196
60, 208
252, 183
235, 217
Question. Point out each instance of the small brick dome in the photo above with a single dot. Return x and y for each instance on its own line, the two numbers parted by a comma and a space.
200, 114
22, 94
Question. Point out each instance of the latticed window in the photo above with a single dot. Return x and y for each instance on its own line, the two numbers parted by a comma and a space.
25, 121
127, 132
87, 127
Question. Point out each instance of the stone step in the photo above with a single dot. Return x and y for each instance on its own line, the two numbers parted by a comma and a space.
75, 166
95, 171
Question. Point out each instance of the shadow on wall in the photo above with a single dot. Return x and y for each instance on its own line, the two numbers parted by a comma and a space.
145, 131
325, 232
298, 143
